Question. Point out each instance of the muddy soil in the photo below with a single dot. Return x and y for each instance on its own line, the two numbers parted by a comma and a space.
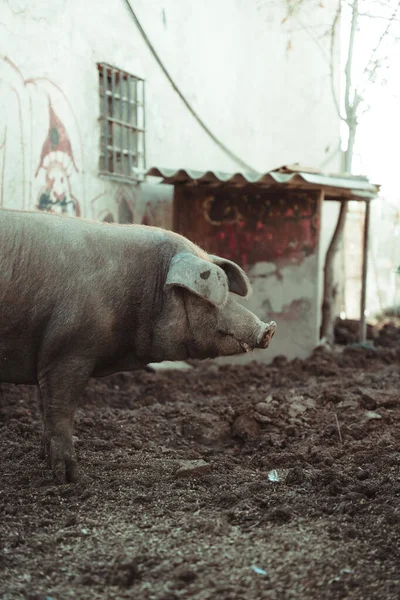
299, 496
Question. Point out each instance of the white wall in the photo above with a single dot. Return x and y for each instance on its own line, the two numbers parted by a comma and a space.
268, 104
261, 83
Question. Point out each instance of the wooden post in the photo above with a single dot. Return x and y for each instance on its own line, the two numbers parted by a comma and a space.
363, 321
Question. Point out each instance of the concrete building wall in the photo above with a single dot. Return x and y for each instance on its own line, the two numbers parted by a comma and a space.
383, 278
258, 79
275, 236
269, 103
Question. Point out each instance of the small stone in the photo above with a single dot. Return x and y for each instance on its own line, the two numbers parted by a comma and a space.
263, 408
280, 515
71, 521
246, 428
125, 574
99, 444
362, 474
367, 399
193, 468
208, 429
297, 406
186, 575
262, 418
137, 444
295, 476
87, 579
349, 403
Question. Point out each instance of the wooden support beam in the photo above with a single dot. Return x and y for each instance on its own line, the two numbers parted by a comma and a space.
363, 320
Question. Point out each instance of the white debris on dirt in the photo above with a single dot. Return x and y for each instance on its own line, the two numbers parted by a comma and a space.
280, 475
258, 570
273, 476
168, 365
370, 414
299, 405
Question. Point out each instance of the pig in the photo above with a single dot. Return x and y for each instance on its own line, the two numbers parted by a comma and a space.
81, 299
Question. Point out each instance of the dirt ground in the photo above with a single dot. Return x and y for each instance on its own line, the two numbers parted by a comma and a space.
299, 496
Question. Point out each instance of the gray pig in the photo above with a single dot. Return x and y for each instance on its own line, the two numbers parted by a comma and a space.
81, 299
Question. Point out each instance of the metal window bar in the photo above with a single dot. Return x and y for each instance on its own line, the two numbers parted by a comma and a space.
128, 133
144, 127
123, 149
104, 80
114, 164
121, 156
135, 138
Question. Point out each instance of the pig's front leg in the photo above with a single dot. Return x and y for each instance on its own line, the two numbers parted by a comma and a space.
61, 385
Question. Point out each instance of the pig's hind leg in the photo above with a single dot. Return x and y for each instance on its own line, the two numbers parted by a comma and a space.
61, 384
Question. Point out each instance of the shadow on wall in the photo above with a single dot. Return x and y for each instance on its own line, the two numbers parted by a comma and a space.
41, 152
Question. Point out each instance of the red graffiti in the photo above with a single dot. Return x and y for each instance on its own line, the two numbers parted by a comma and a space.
282, 228
57, 140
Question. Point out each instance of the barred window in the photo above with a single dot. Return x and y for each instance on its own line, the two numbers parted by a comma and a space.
122, 146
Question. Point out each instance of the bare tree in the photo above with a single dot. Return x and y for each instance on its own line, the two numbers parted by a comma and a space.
352, 101
353, 17
355, 100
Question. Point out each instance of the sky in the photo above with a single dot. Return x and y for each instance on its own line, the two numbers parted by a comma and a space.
377, 147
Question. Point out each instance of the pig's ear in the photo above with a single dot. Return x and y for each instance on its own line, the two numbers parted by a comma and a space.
200, 277
237, 278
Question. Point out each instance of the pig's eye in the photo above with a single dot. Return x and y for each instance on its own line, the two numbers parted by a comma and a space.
222, 332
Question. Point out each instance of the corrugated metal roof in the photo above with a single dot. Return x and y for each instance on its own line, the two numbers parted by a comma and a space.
336, 186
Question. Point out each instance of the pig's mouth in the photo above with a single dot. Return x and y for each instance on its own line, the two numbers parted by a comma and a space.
263, 339
243, 345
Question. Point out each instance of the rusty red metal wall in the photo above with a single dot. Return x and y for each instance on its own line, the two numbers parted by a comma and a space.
249, 226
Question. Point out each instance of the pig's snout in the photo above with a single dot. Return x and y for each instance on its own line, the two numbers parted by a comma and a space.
266, 335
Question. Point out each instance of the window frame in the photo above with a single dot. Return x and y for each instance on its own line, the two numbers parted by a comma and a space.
125, 134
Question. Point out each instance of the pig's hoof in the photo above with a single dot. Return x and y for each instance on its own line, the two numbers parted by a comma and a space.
66, 471
63, 463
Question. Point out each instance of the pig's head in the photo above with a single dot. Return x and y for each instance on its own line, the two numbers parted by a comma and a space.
200, 318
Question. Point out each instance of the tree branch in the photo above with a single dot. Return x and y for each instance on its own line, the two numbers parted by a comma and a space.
382, 37
332, 50
327, 310
369, 16
349, 63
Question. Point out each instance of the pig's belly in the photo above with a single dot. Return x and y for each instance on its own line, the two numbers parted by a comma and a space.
127, 362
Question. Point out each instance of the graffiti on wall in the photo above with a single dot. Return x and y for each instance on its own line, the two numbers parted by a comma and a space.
133, 204
276, 227
275, 230
57, 165
41, 153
